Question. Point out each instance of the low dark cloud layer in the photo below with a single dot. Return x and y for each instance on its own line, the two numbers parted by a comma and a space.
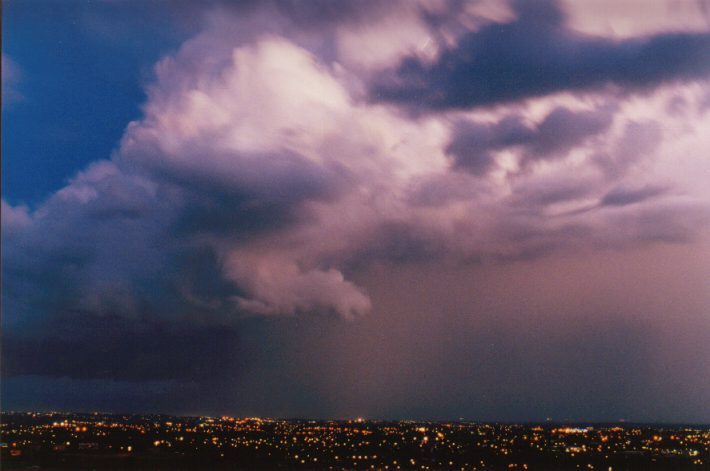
83, 345
535, 55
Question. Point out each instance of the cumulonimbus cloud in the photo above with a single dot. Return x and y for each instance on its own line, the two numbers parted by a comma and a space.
260, 176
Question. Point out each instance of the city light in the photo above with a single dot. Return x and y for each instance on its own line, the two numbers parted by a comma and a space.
206, 442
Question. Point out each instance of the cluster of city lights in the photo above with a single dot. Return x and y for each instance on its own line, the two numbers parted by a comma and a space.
347, 444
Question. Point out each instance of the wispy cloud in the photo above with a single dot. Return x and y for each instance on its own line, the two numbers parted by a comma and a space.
11, 78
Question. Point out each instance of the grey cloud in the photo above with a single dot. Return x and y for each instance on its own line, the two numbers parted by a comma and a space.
563, 129
543, 192
473, 144
316, 13
535, 55
624, 196
98, 285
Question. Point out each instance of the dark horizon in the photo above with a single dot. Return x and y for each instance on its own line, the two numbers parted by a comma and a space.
544, 422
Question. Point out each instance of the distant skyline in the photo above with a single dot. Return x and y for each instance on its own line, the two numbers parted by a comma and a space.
421, 209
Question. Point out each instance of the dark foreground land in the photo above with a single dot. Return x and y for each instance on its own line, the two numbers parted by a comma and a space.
104, 441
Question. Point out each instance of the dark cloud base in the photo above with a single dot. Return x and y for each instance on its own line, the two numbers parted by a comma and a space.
86, 346
535, 55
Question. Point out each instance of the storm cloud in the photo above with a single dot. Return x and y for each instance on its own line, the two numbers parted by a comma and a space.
535, 55
278, 232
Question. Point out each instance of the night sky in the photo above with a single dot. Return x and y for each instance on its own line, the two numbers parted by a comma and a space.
421, 209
